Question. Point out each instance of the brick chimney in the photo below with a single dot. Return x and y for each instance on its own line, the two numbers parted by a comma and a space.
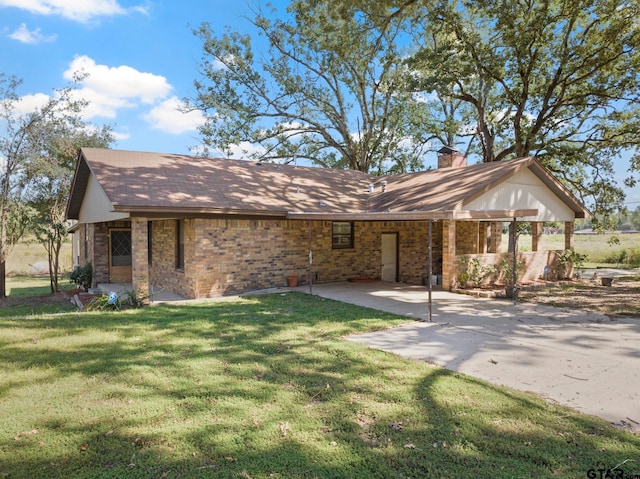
449, 157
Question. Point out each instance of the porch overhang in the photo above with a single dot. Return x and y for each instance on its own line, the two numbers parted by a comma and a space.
456, 215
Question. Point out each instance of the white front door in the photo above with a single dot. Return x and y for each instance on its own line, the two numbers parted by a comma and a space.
389, 257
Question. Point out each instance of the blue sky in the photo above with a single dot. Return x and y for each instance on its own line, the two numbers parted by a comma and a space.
141, 58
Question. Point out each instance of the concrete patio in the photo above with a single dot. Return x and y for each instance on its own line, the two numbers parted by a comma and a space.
579, 359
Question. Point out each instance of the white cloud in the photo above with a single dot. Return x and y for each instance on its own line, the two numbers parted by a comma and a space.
30, 103
81, 11
245, 150
109, 89
119, 82
121, 136
168, 117
24, 35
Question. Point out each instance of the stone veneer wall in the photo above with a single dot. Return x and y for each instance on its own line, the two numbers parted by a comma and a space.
227, 256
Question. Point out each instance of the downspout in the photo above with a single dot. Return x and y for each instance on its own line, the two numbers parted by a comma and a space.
310, 260
514, 239
430, 264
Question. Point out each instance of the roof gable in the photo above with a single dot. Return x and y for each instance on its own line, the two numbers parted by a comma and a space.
523, 190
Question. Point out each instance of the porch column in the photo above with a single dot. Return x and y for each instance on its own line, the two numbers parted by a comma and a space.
496, 237
140, 257
568, 235
483, 233
536, 235
448, 253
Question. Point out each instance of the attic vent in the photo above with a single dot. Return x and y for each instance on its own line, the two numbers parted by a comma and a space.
384, 186
372, 188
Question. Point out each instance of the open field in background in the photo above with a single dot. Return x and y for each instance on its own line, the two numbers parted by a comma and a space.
596, 247
25, 254
265, 387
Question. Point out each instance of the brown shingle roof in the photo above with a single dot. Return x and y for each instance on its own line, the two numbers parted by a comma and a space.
444, 189
138, 181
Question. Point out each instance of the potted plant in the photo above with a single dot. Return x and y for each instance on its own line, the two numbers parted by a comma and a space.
293, 280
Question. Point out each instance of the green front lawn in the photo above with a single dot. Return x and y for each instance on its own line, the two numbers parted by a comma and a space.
265, 387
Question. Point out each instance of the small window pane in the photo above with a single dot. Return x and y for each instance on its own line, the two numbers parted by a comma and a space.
342, 235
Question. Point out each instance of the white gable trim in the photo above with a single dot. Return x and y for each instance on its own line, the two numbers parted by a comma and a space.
96, 206
524, 190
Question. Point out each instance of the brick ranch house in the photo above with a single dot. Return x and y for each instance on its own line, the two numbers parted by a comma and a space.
203, 227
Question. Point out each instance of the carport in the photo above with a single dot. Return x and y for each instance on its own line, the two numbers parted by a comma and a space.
447, 220
576, 358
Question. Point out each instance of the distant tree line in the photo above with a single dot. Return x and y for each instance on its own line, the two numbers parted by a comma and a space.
375, 86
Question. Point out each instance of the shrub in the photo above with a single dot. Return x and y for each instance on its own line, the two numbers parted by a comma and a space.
82, 276
474, 272
134, 298
630, 256
570, 257
505, 270
114, 302
106, 302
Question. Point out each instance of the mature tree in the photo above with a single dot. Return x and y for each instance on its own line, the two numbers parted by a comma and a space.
634, 218
51, 174
327, 88
26, 138
555, 78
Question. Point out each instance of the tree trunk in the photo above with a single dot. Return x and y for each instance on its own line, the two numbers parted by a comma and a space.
3, 279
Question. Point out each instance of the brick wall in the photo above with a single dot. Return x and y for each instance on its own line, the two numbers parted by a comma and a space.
162, 270
467, 233
227, 256
531, 264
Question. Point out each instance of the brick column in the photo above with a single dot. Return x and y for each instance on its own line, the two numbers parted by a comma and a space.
140, 256
568, 235
448, 253
536, 235
496, 237
483, 234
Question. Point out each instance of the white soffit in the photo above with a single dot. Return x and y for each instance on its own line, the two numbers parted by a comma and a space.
524, 190
96, 206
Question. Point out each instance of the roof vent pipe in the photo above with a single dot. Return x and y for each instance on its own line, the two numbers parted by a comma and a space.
372, 188
384, 186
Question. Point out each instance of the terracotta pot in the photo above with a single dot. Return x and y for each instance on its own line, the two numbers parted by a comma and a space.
292, 281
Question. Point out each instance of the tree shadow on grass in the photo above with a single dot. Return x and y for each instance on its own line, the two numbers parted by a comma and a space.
265, 388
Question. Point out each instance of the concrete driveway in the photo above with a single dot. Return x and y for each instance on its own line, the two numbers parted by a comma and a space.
580, 359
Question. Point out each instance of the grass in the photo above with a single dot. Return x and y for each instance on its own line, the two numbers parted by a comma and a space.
25, 254
265, 387
24, 286
596, 247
